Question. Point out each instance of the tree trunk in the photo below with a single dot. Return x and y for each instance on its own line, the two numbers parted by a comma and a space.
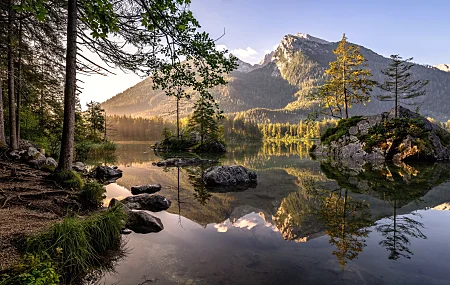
2, 120
19, 85
11, 95
67, 142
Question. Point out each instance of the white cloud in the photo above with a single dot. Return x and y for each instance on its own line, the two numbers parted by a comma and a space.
221, 47
221, 228
245, 54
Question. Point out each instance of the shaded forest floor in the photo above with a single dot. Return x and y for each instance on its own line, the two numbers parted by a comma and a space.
29, 203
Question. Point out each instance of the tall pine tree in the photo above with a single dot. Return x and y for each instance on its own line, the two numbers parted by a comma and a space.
399, 86
348, 81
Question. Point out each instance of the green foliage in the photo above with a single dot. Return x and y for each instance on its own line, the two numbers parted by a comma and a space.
205, 119
333, 134
68, 179
95, 118
348, 82
92, 194
76, 244
33, 269
398, 86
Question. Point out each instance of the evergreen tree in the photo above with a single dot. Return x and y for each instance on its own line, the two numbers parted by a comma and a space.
204, 120
348, 82
399, 87
96, 119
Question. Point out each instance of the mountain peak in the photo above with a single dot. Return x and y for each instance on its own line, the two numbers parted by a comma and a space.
311, 38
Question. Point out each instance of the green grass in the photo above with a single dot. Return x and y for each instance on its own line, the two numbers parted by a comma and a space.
333, 134
76, 245
92, 195
68, 179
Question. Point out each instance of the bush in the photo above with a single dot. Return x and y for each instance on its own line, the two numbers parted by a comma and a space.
92, 195
68, 179
32, 270
333, 134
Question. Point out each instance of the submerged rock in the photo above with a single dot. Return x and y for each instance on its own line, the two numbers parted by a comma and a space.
143, 223
228, 175
154, 203
183, 162
106, 173
149, 188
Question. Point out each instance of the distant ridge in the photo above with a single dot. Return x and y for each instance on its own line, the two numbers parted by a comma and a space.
274, 90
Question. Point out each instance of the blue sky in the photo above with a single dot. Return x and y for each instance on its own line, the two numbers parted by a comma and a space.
419, 29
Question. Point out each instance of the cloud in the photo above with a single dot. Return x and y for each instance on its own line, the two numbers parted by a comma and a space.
245, 54
221, 47
221, 228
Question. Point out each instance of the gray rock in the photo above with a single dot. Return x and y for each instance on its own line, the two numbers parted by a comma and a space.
353, 130
14, 154
154, 203
143, 223
51, 162
126, 231
149, 188
33, 153
228, 175
106, 173
363, 127
79, 166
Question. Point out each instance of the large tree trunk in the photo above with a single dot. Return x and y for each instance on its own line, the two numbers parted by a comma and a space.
19, 85
67, 142
11, 95
2, 120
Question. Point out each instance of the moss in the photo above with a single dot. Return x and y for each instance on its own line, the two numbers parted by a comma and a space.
333, 134
68, 179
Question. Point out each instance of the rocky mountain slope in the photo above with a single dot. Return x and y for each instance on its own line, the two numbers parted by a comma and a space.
274, 90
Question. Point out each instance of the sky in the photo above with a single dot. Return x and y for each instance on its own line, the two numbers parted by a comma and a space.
419, 29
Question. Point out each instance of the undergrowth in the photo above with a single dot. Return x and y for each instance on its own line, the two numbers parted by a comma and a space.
68, 179
333, 134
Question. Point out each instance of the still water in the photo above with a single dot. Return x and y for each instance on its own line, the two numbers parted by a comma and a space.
305, 222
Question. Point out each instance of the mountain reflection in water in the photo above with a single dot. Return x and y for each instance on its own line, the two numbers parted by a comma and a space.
305, 222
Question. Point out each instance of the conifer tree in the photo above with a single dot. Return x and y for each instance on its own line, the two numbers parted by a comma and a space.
399, 87
205, 118
348, 81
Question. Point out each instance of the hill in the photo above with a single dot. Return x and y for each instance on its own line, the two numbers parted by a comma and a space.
274, 90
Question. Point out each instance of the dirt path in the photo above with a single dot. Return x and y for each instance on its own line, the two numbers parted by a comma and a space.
29, 203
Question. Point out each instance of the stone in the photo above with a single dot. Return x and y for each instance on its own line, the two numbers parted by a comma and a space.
353, 130
33, 153
149, 188
154, 203
79, 166
106, 173
126, 231
228, 175
363, 127
51, 162
143, 223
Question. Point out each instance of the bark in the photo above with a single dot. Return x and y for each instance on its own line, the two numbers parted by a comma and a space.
67, 142
2, 120
19, 85
11, 95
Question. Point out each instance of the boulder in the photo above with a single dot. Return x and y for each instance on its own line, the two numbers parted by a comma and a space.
154, 203
228, 175
143, 223
149, 188
106, 173
180, 161
79, 166
50, 161
43, 162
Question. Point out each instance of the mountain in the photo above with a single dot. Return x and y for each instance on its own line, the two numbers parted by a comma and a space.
443, 67
274, 90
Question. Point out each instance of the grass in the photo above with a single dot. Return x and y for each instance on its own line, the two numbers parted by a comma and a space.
75, 245
92, 195
68, 179
88, 148
333, 134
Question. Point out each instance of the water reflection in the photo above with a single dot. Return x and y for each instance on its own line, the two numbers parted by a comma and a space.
340, 217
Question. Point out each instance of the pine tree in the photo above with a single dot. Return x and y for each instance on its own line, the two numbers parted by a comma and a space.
205, 118
398, 87
348, 81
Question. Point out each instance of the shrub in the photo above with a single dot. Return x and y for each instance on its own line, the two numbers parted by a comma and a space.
68, 179
92, 194
32, 270
333, 134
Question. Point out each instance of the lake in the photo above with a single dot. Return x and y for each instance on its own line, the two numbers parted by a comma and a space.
305, 222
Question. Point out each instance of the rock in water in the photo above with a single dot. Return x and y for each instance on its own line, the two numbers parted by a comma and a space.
183, 162
228, 175
106, 173
143, 223
154, 203
149, 188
